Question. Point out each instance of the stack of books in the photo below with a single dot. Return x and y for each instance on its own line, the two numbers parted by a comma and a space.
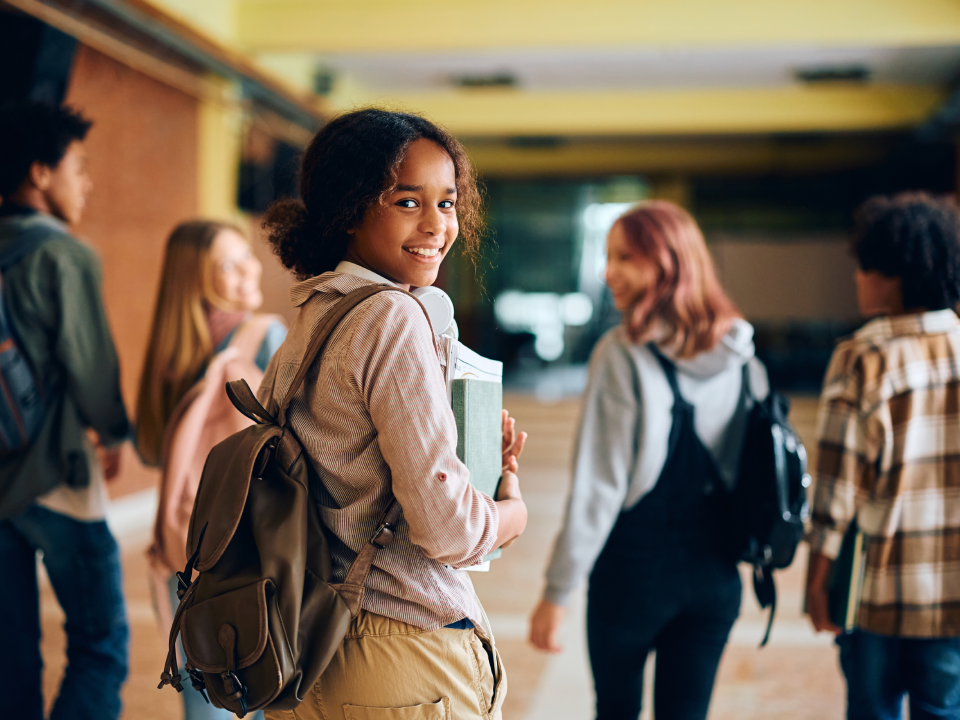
476, 395
846, 579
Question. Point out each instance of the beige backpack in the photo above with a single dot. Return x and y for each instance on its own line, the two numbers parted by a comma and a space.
202, 418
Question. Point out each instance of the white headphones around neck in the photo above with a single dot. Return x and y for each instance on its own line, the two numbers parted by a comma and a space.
439, 308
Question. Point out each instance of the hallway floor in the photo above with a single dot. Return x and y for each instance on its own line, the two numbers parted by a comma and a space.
796, 677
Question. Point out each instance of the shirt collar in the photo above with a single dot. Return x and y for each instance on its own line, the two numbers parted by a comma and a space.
334, 281
9, 209
926, 323
345, 266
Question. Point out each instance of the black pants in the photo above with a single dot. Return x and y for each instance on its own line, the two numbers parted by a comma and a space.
685, 613
667, 580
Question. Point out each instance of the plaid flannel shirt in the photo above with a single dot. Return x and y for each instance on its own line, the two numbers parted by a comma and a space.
889, 454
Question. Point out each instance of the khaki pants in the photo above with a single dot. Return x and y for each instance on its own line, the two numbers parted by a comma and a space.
389, 670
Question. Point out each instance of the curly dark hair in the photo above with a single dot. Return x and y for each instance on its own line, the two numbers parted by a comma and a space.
352, 163
916, 237
32, 131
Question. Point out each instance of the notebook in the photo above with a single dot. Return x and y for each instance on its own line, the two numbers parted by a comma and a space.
846, 579
476, 396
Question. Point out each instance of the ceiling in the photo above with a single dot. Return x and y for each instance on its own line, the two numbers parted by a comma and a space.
639, 68
610, 71
438, 25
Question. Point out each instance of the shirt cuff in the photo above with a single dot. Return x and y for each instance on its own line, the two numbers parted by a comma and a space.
825, 541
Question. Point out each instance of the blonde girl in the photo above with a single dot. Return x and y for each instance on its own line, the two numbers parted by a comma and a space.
205, 331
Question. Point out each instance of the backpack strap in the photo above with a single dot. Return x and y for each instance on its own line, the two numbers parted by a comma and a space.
250, 335
30, 241
670, 370
765, 588
353, 587
330, 323
246, 402
747, 385
764, 584
170, 676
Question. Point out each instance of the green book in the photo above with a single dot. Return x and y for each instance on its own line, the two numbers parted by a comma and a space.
846, 580
477, 406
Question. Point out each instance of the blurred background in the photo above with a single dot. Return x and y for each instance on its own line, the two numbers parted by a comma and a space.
769, 121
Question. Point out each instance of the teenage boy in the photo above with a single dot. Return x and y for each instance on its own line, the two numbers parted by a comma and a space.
889, 457
52, 495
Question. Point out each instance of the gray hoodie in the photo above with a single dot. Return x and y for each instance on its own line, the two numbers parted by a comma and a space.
621, 444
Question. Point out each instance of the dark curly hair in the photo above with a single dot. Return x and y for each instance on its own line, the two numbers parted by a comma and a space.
352, 163
32, 131
916, 237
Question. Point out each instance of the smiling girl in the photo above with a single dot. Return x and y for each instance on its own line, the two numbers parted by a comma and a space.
385, 195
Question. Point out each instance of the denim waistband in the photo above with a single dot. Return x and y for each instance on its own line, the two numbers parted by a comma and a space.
464, 624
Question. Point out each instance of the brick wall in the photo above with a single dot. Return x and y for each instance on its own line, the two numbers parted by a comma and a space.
143, 162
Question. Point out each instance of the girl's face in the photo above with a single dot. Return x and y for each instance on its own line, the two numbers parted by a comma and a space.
406, 237
236, 273
628, 273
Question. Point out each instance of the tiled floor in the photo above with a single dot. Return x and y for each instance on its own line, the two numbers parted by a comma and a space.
795, 678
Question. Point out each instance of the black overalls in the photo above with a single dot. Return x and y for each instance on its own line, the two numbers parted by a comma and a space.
666, 580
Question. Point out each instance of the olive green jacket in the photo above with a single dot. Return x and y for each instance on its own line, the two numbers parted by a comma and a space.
55, 310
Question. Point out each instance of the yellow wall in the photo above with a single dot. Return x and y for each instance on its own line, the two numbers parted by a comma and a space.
676, 112
216, 18
218, 153
656, 156
432, 25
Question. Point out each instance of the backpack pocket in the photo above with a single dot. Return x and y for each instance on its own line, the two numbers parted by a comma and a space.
237, 641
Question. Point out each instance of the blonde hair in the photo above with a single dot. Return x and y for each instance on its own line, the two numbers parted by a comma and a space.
180, 346
686, 303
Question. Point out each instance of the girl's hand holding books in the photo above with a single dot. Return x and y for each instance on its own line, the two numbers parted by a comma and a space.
513, 511
512, 443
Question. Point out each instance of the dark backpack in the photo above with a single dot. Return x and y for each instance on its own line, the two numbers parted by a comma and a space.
769, 502
261, 621
22, 400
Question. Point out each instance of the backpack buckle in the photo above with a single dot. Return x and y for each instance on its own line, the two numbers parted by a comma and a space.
384, 537
239, 691
199, 684
238, 688
182, 585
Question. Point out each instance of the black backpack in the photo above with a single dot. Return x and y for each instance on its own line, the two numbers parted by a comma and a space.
769, 502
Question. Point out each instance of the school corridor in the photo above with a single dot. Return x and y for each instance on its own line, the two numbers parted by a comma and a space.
796, 677
768, 122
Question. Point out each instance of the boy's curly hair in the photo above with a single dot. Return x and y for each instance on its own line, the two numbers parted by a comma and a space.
916, 237
33, 131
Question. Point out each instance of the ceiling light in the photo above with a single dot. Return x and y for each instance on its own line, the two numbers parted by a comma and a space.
492, 80
834, 74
